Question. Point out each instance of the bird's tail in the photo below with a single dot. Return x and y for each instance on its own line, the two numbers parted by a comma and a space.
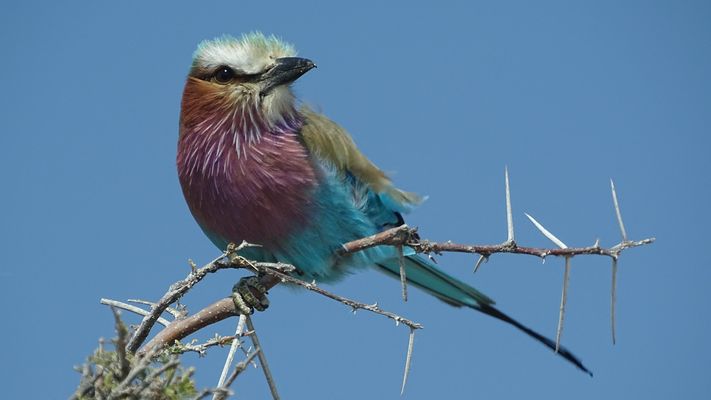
425, 275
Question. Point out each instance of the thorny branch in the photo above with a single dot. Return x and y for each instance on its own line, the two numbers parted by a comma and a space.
404, 235
176, 291
224, 308
355, 305
201, 348
272, 274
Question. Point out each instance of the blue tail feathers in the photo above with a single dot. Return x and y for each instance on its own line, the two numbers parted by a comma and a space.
424, 274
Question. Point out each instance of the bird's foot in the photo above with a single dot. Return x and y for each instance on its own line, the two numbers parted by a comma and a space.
249, 294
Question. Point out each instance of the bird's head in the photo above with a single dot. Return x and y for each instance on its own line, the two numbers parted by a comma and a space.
246, 75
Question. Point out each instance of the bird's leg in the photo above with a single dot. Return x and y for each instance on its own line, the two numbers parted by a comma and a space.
249, 294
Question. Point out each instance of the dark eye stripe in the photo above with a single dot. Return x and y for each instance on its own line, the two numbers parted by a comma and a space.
249, 77
222, 73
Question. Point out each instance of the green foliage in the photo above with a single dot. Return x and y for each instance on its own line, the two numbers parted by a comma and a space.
118, 375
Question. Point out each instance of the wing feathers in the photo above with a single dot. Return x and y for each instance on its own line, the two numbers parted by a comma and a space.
327, 140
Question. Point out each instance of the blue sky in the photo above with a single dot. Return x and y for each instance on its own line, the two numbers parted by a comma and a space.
567, 94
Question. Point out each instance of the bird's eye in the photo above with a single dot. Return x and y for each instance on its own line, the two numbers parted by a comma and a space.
224, 74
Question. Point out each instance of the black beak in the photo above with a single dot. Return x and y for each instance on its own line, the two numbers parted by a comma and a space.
285, 71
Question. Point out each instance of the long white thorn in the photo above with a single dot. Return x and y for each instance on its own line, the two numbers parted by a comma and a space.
613, 299
482, 259
617, 211
403, 276
563, 300
566, 277
509, 213
408, 360
547, 234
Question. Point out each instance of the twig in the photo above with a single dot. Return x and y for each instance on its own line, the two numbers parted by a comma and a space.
394, 236
355, 305
242, 365
231, 354
176, 291
121, 335
263, 360
133, 309
152, 377
201, 348
239, 368
124, 388
176, 313
88, 381
487, 250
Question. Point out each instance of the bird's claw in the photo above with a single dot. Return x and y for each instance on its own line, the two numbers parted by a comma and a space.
249, 294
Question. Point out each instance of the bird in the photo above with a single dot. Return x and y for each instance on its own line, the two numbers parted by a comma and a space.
257, 165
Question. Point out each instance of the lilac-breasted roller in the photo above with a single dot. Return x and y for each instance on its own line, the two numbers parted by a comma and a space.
257, 167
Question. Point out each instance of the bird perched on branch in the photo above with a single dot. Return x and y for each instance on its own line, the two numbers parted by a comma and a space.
254, 166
